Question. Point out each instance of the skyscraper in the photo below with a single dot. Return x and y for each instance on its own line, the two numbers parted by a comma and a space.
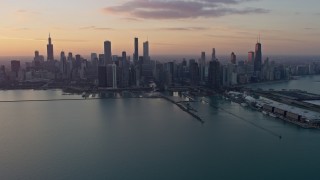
202, 66
50, 50
136, 50
107, 53
214, 74
233, 58
125, 70
250, 57
146, 57
258, 57
214, 55
63, 63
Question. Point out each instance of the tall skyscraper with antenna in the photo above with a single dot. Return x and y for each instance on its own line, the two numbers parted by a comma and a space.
50, 55
258, 56
214, 54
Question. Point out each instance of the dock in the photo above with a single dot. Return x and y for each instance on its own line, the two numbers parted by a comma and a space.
183, 108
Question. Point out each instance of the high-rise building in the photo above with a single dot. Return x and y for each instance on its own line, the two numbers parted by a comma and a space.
136, 51
15, 66
94, 56
233, 58
250, 57
38, 60
50, 55
63, 63
258, 57
78, 61
125, 70
114, 76
214, 74
146, 57
213, 54
202, 65
194, 73
102, 76
107, 53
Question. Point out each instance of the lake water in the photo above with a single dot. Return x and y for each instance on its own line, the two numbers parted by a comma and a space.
150, 139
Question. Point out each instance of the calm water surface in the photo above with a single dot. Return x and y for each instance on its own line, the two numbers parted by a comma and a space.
149, 139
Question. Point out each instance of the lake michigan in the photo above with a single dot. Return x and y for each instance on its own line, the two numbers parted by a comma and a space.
151, 139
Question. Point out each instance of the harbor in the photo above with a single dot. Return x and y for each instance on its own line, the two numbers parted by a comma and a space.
292, 106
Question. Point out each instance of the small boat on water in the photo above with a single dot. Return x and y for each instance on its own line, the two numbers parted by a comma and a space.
265, 113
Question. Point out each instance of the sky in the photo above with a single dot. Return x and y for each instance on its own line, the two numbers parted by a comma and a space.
177, 27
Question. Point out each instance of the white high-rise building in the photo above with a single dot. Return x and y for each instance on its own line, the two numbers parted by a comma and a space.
114, 76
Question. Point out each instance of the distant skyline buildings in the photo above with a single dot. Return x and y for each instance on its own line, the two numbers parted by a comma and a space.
24, 24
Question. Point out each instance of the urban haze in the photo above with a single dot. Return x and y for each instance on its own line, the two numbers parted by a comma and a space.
157, 89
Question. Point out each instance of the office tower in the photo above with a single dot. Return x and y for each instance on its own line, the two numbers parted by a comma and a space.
258, 57
15, 66
63, 63
36, 54
213, 55
214, 74
78, 61
202, 66
233, 58
37, 60
50, 50
114, 76
194, 73
125, 70
107, 53
136, 51
70, 56
250, 57
101, 60
102, 76
146, 57
94, 56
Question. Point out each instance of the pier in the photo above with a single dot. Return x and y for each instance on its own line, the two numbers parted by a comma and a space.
185, 109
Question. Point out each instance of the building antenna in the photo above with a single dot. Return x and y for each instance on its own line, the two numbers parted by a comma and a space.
259, 38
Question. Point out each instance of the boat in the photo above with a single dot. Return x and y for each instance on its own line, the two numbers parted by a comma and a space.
265, 113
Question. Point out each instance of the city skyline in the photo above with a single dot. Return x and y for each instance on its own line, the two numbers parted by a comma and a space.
229, 26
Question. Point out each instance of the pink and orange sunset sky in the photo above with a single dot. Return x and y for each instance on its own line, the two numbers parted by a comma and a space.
172, 27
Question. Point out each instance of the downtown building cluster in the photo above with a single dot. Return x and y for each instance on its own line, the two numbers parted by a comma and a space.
107, 70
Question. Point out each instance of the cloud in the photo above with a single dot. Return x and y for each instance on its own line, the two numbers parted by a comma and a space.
24, 12
268, 38
183, 28
95, 28
180, 9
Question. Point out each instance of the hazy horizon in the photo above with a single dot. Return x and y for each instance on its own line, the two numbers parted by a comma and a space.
172, 27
